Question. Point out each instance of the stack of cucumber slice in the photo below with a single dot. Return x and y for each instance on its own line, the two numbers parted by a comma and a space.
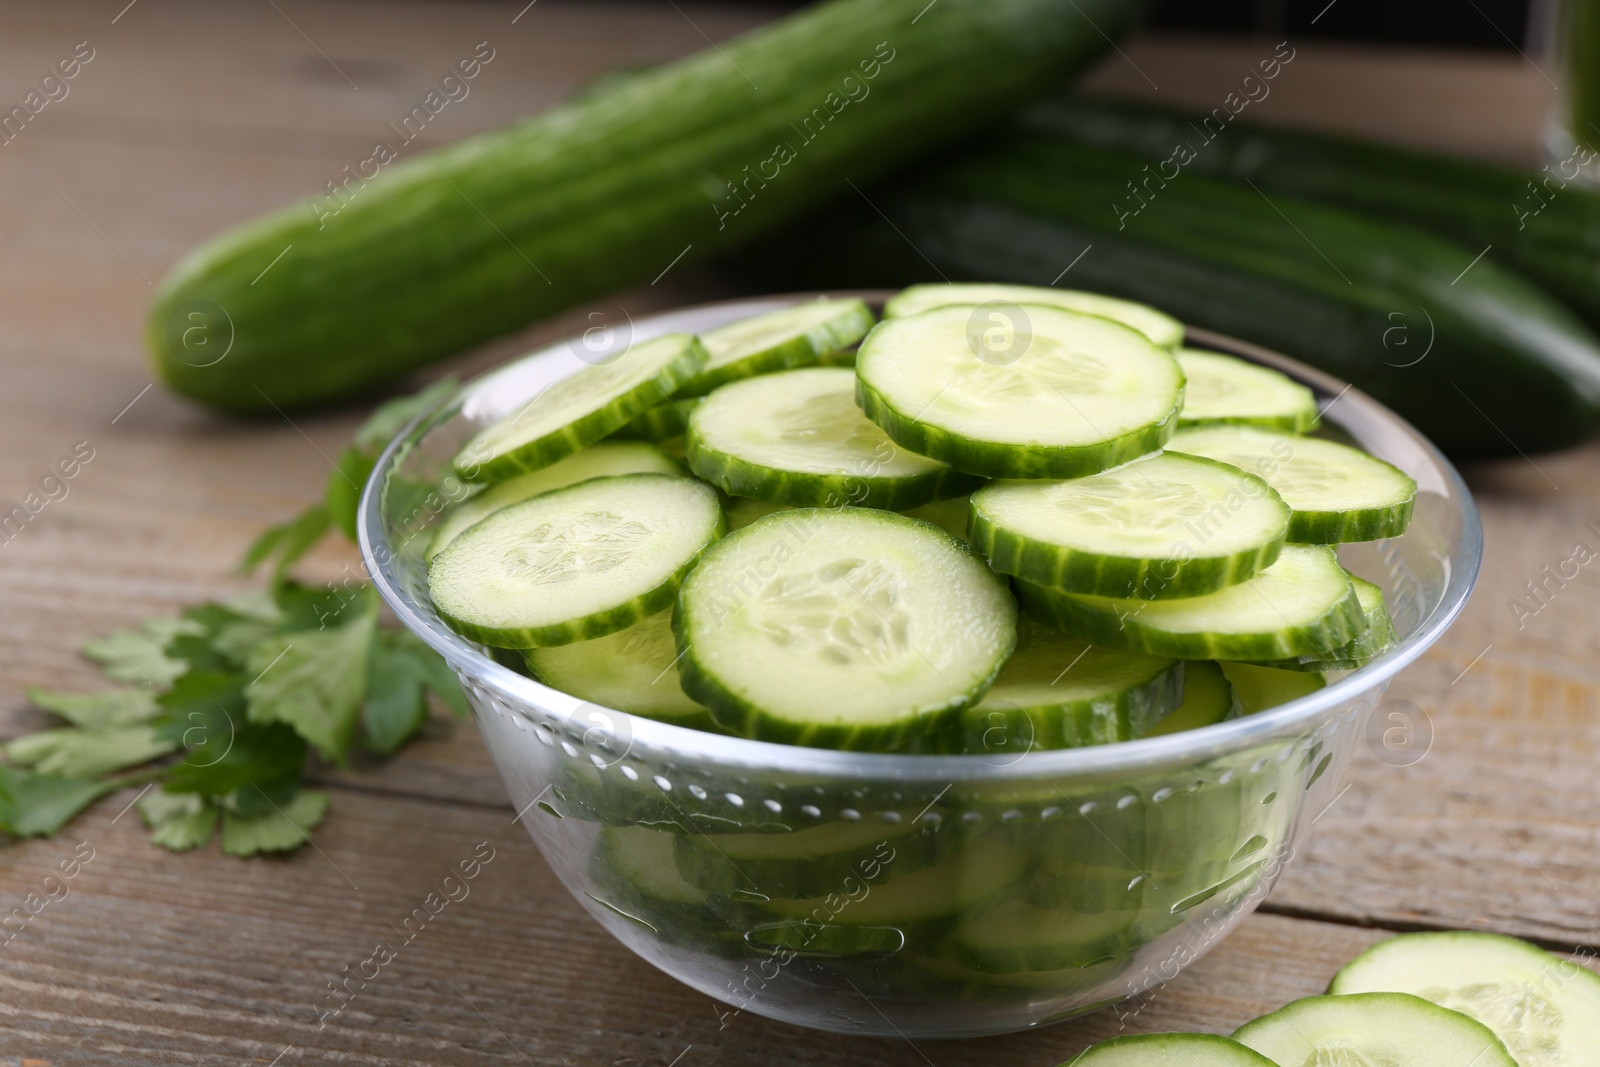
894, 490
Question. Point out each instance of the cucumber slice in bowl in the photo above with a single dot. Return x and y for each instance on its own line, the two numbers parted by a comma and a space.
634, 670
1162, 329
1163, 526
596, 461
580, 409
1227, 389
666, 420
1373, 1028
1375, 638
1170, 1050
789, 337
1260, 688
798, 438
576, 563
1546, 1009
845, 628
1303, 604
1337, 493
1208, 697
1061, 395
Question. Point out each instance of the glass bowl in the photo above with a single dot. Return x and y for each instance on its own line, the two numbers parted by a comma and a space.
920, 896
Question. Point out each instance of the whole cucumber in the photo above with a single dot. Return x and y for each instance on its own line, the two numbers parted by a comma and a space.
666, 166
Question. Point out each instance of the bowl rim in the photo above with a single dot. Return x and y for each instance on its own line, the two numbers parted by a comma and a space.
743, 753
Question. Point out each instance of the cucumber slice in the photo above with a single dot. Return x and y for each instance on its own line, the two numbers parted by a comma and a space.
1376, 638
575, 563
1161, 527
809, 862
950, 515
1546, 1009
1373, 1028
580, 409
596, 461
1063, 396
1229, 390
1260, 688
643, 858
1061, 692
742, 511
1162, 329
1016, 936
633, 670
1337, 493
789, 337
1170, 1050
844, 357
1301, 605
798, 438
666, 420
1208, 698
842, 628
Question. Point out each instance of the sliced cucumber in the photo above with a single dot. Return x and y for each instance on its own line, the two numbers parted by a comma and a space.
633, 670
1061, 692
1301, 605
1208, 698
1546, 1009
1229, 390
807, 862
742, 511
579, 410
1373, 1028
798, 438
1163, 526
1376, 637
1162, 329
1171, 1050
1016, 936
1061, 396
666, 420
575, 563
597, 461
789, 337
842, 628
643, 858
949, 515
1260, 688
1337, 493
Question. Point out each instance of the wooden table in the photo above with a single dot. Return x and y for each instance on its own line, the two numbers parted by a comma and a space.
193, 116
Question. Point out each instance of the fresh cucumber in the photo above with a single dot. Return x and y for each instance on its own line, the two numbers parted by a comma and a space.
813, 861
1160, 527
634, 670
580, 409
1260, 688
1059, 395
841, 628
596, 461
798, 438
1170, 1050
1230, 390
795, 336
1162, 329
1376, 637
1376, 1028
575, 563
1546, 1009
1060, 692
1337, 493
1016, 936
383, 274
664, 421
1208, 698
1301, 605
950, 515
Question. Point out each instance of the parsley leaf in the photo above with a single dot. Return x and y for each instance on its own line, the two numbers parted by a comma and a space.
314, 680
283, 828
342, 497
39, 805
77, 753
136, 655
396, 705
93, 711
178, 821
286, 543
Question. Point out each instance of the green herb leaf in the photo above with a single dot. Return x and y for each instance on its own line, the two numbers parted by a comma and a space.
93, 711
342, 497
392, 416
396, 707
433, 670
76, 753
315, 681
237, 757
137, 655
308, 608
286, 543
285, 827
39, 805
178, 821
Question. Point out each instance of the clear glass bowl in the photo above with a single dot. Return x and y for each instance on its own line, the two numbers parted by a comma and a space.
924, 896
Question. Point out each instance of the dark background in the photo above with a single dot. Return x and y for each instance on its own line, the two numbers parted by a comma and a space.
1498, 24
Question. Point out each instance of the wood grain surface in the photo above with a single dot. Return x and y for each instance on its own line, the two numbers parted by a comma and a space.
194, 116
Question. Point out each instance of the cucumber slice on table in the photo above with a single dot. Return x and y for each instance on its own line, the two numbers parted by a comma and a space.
598, 460
581, 409
575, 563
1171, 1050
1208, 697
1260, 688
798, 438
1545, 1008
1337, 493
666, 420
1163, 526
1062, 692
1302, 605
1162, 329
841, 628
1230, 390
789, 337
1063, 396
1376, 637
633, 670
1373, 1028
